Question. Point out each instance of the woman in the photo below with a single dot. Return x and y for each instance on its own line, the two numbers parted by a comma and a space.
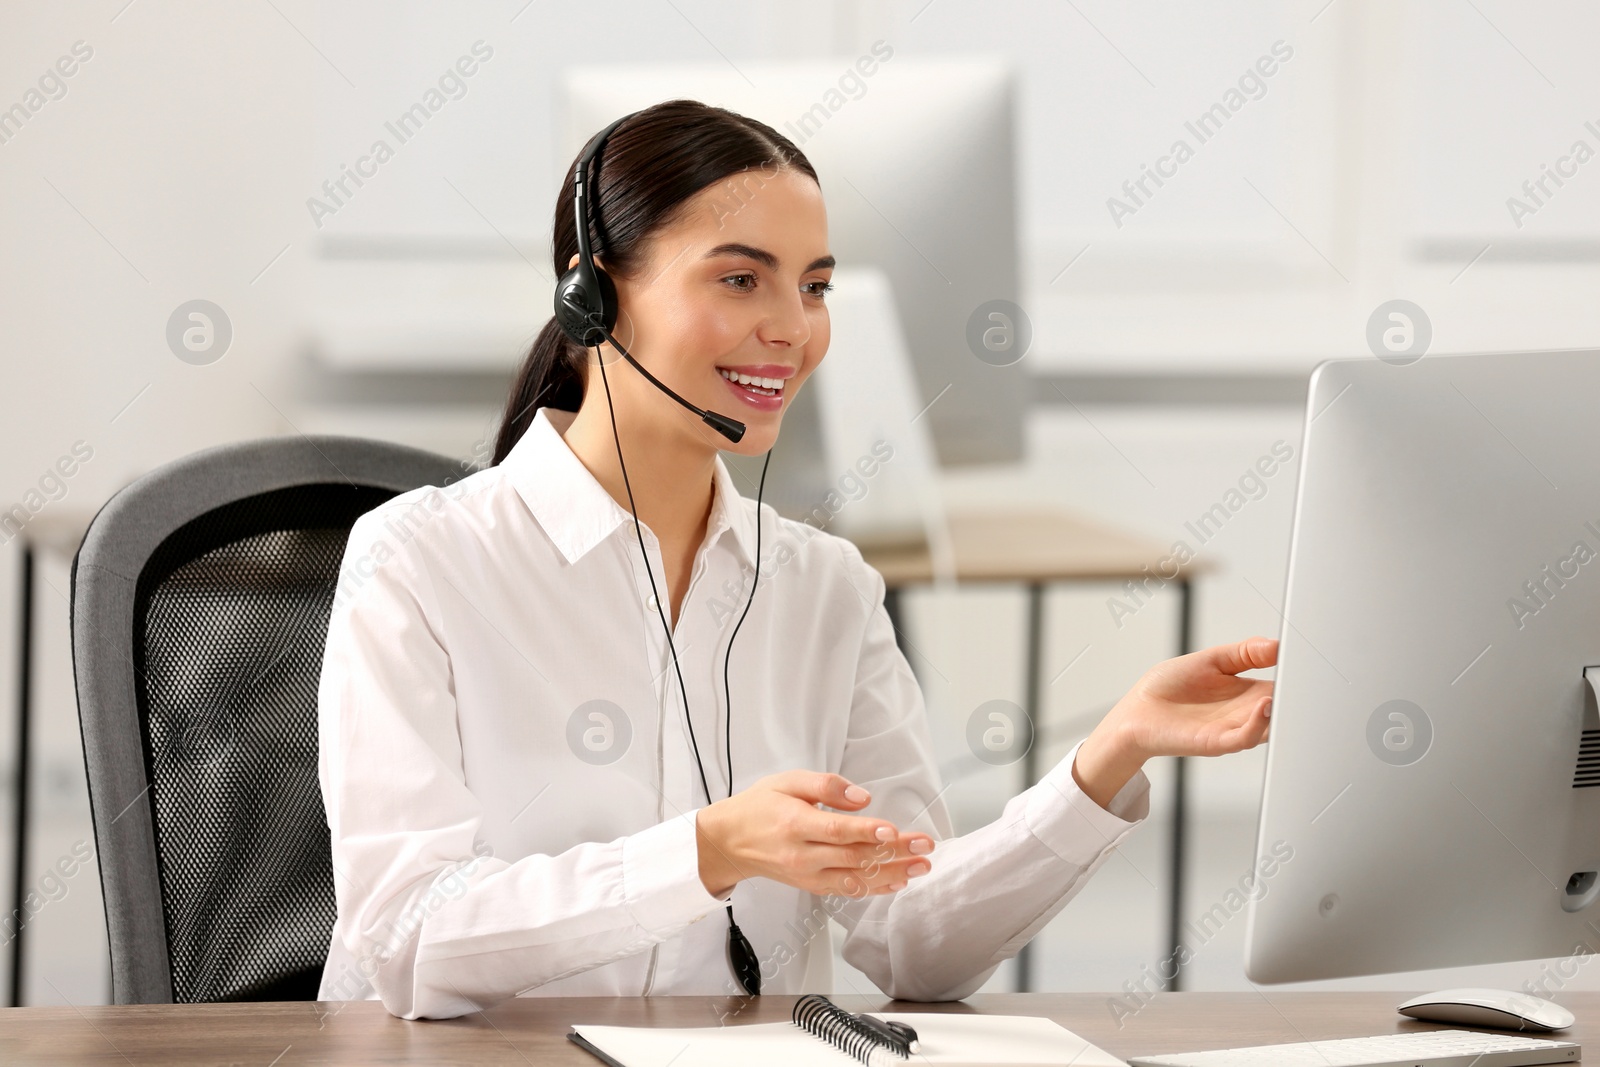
538, 784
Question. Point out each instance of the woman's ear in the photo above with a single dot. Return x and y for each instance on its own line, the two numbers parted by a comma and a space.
599, 263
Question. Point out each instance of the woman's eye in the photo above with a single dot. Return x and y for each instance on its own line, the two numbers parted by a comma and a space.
747, 282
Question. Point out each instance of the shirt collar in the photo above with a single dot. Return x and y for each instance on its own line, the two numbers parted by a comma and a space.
575, 510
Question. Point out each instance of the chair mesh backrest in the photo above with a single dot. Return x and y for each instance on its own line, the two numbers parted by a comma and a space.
231, 615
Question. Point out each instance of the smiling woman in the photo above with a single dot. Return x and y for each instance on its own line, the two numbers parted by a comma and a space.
461, 742
660, 192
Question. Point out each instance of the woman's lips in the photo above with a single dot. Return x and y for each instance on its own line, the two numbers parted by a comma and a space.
762, 399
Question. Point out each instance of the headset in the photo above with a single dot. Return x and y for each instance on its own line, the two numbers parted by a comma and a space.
586, 297
586, 308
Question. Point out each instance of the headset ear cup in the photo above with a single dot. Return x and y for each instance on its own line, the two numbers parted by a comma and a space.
573, 302
583, 296
566, 299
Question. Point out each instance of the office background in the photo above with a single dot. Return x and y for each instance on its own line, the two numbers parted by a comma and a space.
1384, 159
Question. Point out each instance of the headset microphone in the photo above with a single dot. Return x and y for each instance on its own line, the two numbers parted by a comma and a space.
586, 297
732, 429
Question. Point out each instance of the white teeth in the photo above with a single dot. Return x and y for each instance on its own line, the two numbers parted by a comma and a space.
768, 386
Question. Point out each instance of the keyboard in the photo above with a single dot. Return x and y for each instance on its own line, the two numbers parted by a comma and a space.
1423, 1048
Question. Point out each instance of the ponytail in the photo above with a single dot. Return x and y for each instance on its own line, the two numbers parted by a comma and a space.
551, 376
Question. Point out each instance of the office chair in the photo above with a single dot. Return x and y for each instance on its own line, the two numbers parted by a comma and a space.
200, 604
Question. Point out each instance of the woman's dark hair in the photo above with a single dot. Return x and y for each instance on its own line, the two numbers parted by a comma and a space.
648, 170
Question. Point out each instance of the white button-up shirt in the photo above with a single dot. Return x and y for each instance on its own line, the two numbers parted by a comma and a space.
511, 789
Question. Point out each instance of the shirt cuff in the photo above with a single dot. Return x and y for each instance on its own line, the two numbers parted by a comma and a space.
661, 875
1061, 815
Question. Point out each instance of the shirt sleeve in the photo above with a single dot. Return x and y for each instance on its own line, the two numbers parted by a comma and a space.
988, 892
438, 924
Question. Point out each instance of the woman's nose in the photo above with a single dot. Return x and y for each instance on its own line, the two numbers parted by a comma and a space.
786, 322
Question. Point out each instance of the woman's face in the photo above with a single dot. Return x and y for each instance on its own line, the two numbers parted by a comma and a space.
733, 289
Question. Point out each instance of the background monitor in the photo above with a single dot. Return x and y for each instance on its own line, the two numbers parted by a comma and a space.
1430, 773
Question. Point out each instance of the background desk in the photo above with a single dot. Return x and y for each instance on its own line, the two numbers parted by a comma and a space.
533, 1030
1035, 548
57, 529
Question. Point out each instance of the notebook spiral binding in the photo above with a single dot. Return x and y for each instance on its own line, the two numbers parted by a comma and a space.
822, 1018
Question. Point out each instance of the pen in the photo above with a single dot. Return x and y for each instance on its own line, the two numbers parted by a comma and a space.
897, 1034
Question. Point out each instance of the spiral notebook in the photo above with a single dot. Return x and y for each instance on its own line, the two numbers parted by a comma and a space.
951, 1040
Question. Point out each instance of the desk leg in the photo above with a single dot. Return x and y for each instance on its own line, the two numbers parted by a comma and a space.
20, 799
1030, 759
1180, 812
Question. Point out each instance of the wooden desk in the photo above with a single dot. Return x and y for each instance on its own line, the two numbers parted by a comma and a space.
1035, 548
1027, 545
532, 1030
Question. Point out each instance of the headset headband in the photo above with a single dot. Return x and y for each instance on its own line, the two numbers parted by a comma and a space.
586, 297
580, 181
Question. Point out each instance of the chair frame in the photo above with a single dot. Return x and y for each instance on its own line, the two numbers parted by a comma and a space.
124, 535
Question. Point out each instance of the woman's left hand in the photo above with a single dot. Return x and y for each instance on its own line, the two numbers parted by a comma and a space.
1193, 705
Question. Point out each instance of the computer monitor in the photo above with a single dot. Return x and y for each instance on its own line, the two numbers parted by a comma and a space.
1432, 788
881, 480
916, 159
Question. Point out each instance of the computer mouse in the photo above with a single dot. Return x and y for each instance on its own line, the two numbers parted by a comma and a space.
1499, 1008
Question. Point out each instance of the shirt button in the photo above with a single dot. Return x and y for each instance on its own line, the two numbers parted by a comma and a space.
651, 602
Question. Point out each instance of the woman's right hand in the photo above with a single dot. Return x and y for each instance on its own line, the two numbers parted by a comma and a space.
775, 829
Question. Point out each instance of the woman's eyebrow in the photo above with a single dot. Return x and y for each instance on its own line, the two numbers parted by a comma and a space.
765, 258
